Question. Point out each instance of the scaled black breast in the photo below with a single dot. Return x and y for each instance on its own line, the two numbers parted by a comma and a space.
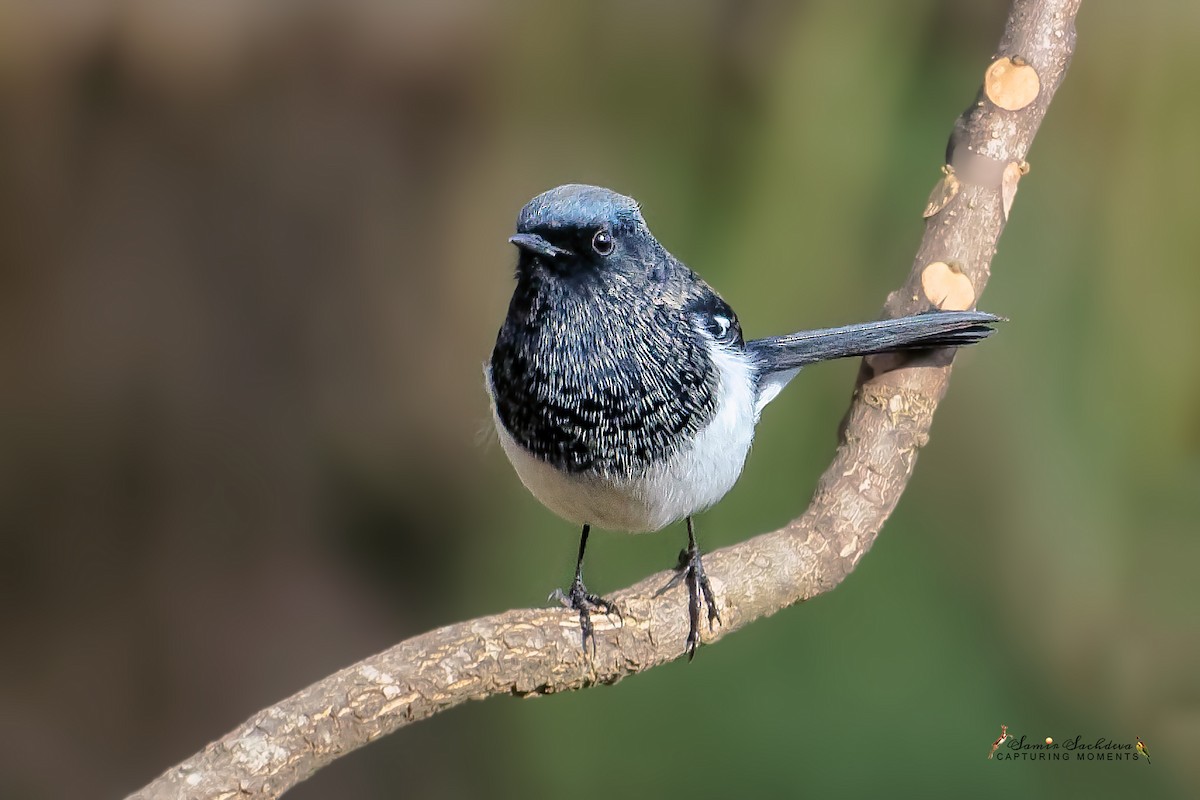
587, 391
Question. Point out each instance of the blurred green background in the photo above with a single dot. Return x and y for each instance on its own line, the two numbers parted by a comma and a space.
252, 257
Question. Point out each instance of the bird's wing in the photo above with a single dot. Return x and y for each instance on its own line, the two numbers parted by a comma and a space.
713, 315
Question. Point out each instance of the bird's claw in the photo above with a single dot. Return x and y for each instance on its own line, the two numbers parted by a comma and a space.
583, 601
690, 570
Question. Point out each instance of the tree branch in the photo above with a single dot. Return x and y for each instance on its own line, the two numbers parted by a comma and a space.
537, 651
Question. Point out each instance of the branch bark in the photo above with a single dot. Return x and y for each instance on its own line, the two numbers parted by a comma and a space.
537, 651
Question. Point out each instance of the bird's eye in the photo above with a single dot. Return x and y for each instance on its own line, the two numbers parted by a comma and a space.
602, 242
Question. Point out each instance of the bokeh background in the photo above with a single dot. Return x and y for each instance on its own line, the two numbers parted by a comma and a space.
252, 257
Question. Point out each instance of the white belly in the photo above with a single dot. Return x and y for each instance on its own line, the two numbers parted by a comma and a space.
695, 478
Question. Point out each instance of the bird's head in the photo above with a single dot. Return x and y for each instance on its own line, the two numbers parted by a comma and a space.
577, 231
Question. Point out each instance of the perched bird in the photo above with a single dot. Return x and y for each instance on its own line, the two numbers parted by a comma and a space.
1141, 748
622, 389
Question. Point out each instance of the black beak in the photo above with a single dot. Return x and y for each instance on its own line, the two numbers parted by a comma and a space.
532, 243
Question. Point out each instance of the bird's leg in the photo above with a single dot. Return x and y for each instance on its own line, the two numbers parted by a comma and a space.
583, 601
700, 593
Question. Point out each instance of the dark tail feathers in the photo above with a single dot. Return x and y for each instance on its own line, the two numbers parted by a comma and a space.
916, 332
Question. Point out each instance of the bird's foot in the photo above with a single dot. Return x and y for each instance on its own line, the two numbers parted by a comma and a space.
583, 601
690, 570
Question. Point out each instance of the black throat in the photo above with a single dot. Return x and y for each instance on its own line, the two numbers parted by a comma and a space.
592, 377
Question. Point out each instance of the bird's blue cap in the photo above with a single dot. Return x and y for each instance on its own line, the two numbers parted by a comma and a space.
577, 205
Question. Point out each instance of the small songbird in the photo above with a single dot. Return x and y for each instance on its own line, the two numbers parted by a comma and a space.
622, 389
1141, 748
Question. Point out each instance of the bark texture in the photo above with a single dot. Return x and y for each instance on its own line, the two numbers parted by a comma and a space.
537, 651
